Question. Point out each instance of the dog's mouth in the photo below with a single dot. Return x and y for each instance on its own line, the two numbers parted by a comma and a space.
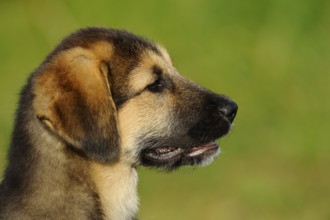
164, 154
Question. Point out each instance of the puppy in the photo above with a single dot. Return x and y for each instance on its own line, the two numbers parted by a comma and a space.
101, 104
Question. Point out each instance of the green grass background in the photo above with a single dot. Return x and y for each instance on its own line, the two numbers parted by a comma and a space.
271, 56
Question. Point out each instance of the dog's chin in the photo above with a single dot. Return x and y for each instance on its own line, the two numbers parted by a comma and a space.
170, 158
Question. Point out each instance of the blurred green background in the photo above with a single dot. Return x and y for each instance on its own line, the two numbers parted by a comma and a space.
271, 56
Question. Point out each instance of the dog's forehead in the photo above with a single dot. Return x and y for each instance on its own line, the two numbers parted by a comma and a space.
162, 60
165, 56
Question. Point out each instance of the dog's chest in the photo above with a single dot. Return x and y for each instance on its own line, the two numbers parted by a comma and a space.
117, 188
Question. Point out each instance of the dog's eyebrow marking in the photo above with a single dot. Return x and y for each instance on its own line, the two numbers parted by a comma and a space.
151, 67
140, 78
166, 79
157, 70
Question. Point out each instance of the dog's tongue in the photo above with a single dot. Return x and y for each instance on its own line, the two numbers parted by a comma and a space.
197, 151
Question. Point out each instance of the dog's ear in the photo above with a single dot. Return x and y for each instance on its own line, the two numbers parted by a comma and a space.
73, 99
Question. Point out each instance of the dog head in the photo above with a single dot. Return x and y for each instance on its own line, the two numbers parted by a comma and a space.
110, 95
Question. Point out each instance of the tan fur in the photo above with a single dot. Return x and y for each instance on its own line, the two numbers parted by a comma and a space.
141, 76
83, 72
117, 187
135, 113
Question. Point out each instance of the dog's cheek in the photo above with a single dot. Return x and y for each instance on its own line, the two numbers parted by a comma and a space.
142, 117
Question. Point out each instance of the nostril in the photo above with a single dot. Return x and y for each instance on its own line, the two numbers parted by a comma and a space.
229, 111
232, 115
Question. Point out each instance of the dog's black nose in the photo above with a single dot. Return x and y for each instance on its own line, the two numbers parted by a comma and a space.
229, 110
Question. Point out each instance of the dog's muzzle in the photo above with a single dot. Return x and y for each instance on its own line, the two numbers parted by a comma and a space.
213, 121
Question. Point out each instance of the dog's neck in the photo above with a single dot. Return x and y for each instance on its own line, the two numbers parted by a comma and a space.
52, 180
116, 185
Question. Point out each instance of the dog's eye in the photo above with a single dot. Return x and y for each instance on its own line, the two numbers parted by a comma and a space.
156, 87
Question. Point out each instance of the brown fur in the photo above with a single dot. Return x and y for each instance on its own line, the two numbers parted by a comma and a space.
101, 104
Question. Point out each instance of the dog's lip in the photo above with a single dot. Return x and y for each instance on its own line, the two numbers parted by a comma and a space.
163, 153
205, 149
169, 153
